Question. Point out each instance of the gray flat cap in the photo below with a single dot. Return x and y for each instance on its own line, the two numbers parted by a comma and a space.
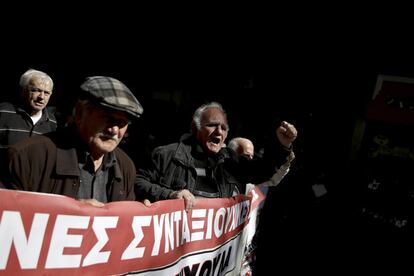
111, 93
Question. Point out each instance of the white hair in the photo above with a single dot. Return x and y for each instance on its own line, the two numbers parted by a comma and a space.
30, 74
200, 110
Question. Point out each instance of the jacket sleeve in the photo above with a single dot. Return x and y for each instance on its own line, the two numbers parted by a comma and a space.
149, 181
264, 166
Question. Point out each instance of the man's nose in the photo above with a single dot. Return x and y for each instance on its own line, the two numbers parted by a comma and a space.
114, 129
219, 129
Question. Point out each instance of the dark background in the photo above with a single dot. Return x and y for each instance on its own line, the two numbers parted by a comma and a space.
318, 73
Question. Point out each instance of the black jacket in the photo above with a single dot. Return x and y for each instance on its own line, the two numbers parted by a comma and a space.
16, 124
172, 168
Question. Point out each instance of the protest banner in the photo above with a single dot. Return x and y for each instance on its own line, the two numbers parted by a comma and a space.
53, 234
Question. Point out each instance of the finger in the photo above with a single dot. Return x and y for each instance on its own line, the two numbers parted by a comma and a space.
98, 204
92, 202
188, 205
147, 203
291, 132
189, 202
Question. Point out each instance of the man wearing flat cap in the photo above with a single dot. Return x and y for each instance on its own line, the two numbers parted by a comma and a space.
82, 160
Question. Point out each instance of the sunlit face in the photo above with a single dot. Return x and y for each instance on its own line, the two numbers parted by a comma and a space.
101, 128
213, 131
36, 94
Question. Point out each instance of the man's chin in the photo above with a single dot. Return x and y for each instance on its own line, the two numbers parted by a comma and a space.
107, 146
38, 106
36, 109
106, 150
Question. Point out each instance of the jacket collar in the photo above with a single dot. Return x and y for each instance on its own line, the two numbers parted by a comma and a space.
69, 146
46, 116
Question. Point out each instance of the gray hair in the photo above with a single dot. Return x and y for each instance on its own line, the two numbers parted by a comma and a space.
30, 74
196, 123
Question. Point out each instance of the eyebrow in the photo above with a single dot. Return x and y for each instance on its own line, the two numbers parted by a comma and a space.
37, 89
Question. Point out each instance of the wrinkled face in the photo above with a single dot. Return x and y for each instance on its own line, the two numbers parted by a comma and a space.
36, 94
100, 128
213, 131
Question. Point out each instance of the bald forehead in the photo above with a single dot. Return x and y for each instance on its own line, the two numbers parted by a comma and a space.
245, 143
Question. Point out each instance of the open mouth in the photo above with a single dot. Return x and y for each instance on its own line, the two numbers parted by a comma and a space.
216, 140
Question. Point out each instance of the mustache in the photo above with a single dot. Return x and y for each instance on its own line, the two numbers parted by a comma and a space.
110, 137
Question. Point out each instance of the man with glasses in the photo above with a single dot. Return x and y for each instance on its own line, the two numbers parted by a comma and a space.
82, 160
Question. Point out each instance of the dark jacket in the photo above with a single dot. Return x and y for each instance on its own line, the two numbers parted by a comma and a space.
16, 124
49, 164
172, 168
